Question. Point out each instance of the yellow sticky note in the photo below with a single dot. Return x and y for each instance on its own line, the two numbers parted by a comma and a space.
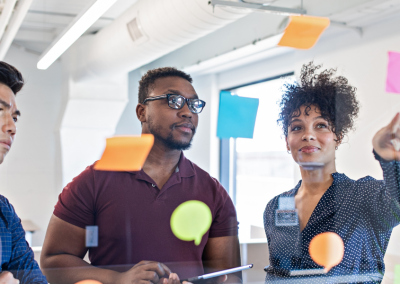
397, 274
191, 220
327, 250
125, 153
303, 32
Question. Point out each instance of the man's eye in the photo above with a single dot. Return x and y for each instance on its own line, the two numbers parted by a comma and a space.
15, 119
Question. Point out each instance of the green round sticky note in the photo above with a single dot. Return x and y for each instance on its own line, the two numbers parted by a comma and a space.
191, 220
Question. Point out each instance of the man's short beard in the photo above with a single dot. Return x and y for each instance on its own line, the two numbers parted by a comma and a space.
170, 142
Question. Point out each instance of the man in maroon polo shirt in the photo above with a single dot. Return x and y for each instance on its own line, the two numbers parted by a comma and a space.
132, 210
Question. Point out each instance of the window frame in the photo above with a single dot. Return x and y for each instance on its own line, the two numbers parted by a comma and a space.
228, 154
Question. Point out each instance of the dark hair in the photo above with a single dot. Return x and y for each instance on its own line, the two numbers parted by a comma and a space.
148, 80
333, 96
11, 77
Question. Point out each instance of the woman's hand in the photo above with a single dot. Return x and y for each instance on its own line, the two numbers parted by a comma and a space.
386, 141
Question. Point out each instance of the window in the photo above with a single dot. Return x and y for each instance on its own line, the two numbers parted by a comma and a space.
259, 168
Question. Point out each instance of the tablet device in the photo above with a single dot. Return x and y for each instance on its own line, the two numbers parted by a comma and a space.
218, 273
294, 272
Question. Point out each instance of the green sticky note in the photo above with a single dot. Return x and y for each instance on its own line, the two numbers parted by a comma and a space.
236, 116
397, 274
191, 220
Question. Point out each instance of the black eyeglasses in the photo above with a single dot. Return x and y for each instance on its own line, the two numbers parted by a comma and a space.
178, 101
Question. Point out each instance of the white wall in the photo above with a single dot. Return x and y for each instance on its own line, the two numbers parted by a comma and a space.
128, 123
30, 177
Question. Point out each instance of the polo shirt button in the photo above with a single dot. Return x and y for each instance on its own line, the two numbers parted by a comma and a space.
153, 185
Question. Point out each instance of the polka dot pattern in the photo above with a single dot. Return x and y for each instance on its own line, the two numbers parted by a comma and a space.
362, 212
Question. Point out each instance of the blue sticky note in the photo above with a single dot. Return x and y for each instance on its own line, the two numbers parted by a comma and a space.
237, 116
92, 236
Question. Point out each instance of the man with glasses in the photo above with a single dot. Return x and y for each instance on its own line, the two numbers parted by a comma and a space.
132, 210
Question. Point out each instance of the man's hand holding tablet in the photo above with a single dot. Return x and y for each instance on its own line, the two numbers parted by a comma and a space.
145, 271
218, 276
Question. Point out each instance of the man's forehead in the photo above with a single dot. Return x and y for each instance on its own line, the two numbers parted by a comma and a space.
7, 96
180, 85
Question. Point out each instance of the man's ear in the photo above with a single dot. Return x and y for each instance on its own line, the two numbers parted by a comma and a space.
141, 113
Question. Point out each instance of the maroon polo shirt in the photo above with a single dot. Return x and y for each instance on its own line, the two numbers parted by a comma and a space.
133, 216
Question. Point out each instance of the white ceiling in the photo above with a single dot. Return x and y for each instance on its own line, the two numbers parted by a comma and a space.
46, 19
369, 12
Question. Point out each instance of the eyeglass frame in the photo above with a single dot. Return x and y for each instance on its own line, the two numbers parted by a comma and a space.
185, 101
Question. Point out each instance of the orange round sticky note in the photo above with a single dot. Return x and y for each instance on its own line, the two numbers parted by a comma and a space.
88, 282
327, 250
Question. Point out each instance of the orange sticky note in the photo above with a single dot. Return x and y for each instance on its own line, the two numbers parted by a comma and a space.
303, 31
125, 153
327, 250
88, 282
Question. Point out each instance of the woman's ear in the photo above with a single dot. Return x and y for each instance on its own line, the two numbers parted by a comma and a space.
287, 145
339, 139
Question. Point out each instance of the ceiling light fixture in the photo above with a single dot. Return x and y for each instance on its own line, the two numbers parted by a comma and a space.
75, 29
261, 49
265, 7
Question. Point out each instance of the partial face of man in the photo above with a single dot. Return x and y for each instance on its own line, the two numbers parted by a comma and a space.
174, 128
8, 117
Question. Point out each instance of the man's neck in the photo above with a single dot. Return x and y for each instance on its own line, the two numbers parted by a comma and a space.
162, 157
161, 163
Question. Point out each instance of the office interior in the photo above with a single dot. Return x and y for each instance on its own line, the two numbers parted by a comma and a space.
90, 93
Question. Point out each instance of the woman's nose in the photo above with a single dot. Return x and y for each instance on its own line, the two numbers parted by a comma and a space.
308, 135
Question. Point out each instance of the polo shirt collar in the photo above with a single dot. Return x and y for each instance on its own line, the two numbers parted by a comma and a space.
184, 169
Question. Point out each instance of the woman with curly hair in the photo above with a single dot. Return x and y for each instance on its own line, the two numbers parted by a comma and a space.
315, 116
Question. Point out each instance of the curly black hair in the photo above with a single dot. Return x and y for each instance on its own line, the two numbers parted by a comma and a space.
11, 77
333, 96
148, 79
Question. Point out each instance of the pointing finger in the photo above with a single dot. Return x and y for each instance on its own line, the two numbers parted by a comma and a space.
395, 123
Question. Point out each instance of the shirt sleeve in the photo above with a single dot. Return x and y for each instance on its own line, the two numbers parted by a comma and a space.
225, 220
76, 203
22, 263
382, 200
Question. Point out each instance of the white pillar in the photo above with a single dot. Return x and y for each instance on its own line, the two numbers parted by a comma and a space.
92, 111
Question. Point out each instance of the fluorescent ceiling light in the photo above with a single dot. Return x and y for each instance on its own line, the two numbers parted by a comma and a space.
238, 56
77, 27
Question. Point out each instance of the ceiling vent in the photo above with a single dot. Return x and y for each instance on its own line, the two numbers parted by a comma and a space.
147, 31
136, 32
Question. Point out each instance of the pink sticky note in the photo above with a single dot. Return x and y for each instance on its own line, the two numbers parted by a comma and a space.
393, 73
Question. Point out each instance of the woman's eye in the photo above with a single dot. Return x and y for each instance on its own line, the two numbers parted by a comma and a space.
322, 125
15, 119
296, 128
